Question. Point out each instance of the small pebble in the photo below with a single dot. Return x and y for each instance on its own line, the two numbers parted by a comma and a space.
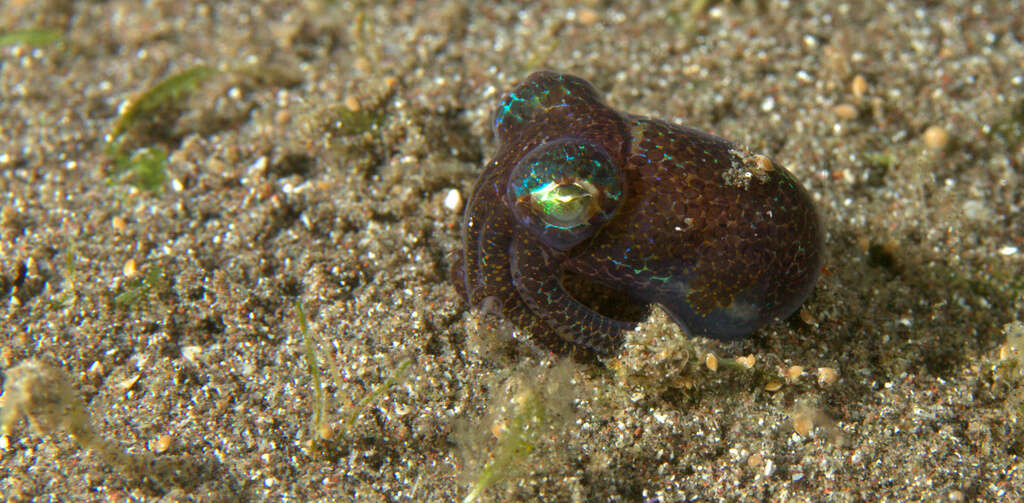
935, 138
859, 86
498, 429
802, 423
1005, 351
192, 353
163, 442
453, 200
711, 361
808, 318
282, 117
827, 376
127, 383
587, 16
793, 373
118, 224
845, 111
352, 104
96, 370
755, 460
130, 269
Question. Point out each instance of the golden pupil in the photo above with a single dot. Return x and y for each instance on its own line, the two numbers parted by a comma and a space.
564, 205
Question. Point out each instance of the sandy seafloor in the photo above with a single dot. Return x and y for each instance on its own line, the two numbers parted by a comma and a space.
276, 193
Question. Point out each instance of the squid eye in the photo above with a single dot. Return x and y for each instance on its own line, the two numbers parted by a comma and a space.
565, 206
563, 190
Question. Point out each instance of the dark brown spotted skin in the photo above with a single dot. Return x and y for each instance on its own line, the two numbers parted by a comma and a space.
724, 240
